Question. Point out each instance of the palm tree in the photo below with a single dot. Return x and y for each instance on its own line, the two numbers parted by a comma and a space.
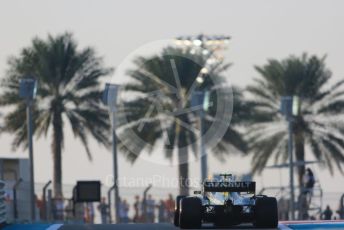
152, 115
68, 90
317, 126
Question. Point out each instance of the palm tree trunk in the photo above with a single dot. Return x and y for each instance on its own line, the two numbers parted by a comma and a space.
183, 157
300, 155
183, 160
57, 153
183, 166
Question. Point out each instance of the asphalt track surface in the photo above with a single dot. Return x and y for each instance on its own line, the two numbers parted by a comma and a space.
284, 225
139, 227
166, 226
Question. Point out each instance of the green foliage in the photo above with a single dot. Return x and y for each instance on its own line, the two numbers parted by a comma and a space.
68, 87
68, 90
153, 83
317, 128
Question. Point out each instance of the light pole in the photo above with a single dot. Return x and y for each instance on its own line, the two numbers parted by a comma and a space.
110, 100
27, 91
201, 99
290, 107
209, 46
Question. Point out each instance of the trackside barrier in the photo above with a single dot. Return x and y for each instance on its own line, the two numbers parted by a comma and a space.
341, 207
314, 208
2, 203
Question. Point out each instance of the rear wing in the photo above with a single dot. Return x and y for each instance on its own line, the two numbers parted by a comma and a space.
235, 186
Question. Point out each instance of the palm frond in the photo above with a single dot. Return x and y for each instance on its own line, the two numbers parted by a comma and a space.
306, 77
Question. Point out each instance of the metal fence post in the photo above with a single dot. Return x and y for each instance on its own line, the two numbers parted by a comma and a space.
109, 202
341, 206
144, 203
3, 213
14, 189
49, 205
45, 200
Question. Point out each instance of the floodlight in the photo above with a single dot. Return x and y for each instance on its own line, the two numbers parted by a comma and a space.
201, 98
110, 95
286, 106
296, 106
197, 98
27, 88
290, 106
206, 101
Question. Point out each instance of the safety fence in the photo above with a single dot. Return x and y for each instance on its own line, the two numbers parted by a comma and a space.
50, 209
2, 203
60, 209
308, 204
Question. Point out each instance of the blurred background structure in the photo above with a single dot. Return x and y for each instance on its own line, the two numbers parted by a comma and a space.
277, 49
57, 211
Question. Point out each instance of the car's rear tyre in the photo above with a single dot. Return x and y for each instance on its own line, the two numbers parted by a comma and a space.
177, 210
266, 213
190, 213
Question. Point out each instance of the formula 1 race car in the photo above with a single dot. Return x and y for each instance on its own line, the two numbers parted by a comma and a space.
226, 202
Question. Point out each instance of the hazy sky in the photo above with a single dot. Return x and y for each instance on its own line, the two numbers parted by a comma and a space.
259, 30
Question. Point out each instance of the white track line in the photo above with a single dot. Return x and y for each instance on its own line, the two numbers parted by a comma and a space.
54, 227
283, 227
